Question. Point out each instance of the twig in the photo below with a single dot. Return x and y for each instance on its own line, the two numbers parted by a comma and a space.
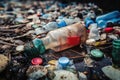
3, 42
6, 39
76, 52
7, 30
16, 26
23, 35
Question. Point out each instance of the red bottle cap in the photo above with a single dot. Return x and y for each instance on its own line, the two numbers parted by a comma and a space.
36, 61
108, 29
73, 40
88, 31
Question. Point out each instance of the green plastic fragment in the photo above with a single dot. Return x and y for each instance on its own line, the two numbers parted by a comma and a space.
97, 53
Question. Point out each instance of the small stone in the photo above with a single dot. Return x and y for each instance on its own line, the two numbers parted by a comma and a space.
19, 42
103, 36
90, 41
3, 62
64, 75
20, 48
36, 72
82, 76
6, 47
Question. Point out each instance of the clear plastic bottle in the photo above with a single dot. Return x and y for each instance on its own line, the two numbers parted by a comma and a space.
66, 37
51, 26
62, 23
94, 32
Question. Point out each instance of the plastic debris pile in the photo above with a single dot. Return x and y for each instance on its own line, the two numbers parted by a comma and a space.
50, 40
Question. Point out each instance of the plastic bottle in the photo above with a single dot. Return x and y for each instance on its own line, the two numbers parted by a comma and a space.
104, 23
94, 32
91, 14
116, 53
109, 17
59, 39
51, 26
62, 23
66, 21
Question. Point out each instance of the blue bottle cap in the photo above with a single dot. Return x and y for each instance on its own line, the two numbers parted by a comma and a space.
88, 21
62, 23
63, 61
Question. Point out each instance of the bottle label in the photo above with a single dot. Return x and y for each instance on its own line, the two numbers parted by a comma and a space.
73, 40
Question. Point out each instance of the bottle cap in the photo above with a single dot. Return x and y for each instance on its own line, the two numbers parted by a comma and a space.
108, 29
63, 61
62, 23
36, 61
88, 21
38, 44
96, 53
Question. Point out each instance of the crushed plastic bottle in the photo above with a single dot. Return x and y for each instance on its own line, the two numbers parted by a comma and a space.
94, 32
54, 25
51, 26
60, 39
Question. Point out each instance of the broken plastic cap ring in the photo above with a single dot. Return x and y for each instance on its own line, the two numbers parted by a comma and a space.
36, 61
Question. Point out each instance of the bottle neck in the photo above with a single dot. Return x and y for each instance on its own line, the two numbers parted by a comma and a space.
46, 41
